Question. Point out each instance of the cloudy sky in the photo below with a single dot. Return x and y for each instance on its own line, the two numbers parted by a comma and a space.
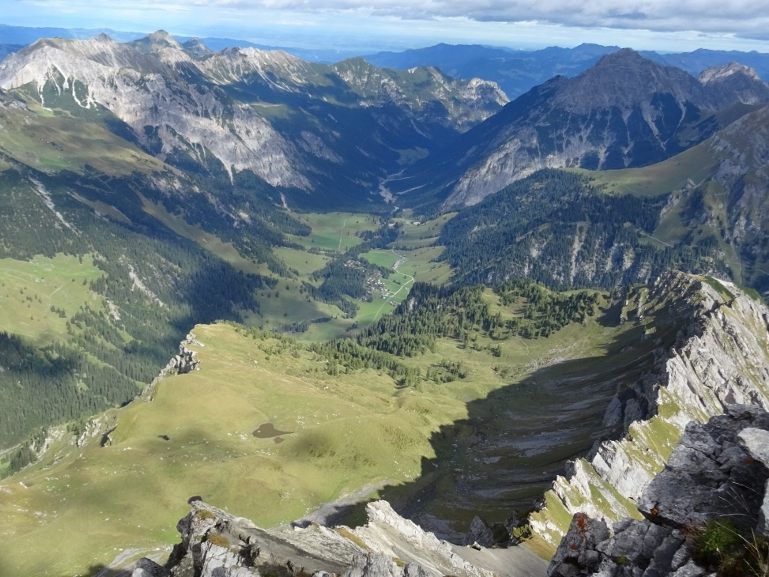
394, 24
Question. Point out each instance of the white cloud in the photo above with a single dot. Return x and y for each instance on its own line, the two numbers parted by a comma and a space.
741, 17
648, 24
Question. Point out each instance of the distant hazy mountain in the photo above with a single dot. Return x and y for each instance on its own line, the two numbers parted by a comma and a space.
698, 60
625, 111
516, 71
27, 35
6, 49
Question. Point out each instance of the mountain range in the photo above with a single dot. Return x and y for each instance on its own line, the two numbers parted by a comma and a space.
625, 111
400, 283
293, 124
517, 71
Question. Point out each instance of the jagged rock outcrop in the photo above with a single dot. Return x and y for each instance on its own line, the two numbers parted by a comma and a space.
716, 475
480, 534
734, 83
721, 357
184, 362
217, 544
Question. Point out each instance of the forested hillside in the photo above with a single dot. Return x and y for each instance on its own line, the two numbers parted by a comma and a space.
561, 229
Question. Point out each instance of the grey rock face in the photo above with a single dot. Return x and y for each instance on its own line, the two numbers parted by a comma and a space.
184, 362
217, 544
148, 568
721, 357
379, 565
388, 532
756, 441
577, 551
479, 533
712, 476
734, 82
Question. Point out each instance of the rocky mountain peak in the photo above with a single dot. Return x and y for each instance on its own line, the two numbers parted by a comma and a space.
717, 73
734, 82
279, 69
104, 38
195, 48
163, 46
161, 37
625, 79
622, 57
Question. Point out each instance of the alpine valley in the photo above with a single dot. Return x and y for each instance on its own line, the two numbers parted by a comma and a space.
365, 318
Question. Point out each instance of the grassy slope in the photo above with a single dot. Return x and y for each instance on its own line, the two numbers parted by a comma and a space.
692, 172
695, 164
28, 290
346, 431
59, 141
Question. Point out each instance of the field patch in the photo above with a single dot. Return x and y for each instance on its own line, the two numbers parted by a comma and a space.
335, 232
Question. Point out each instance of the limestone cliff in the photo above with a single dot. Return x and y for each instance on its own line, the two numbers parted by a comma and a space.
228, 111
705, 514
217, 544
720, 357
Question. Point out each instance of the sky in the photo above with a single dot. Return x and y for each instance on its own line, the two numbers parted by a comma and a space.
372, 25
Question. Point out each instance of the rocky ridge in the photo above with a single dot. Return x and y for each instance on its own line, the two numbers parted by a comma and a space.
724, 82
217, 544
464, 103
715, 484
186, 105
720, 358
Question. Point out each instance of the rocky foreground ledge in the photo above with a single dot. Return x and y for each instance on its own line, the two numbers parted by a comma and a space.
706, 514
217, 544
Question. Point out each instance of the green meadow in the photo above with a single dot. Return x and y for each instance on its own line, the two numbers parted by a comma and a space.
61, 141
204, 433
38, 296
335, 232
693, 166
